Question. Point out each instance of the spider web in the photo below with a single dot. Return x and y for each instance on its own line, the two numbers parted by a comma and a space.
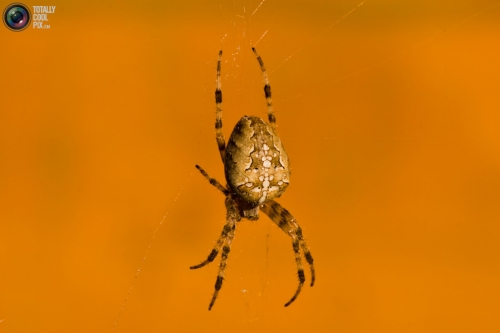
241, 25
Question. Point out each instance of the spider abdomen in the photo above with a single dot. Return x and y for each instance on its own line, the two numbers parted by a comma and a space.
256, 164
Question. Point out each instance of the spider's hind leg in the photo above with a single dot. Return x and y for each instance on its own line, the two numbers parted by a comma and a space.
232, 216
222, 239
289, 225
225, 240
231, 226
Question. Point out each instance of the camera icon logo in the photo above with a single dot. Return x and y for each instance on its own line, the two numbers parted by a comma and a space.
16, 17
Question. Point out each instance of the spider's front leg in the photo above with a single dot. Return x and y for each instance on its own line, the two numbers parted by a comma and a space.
267, 91
289, 225
219, 136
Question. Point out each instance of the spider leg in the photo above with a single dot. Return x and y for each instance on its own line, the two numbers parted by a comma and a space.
267, 91
289, 225
222, 240
212, 181
223, 263
225, 240
232, 217
219, 136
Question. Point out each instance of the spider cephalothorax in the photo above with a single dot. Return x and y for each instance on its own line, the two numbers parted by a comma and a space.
257, 171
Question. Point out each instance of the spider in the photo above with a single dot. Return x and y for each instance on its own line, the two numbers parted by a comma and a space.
257, 171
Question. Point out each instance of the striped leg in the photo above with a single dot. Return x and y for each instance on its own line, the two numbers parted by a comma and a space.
223, 262
232, 217
225, 241
222, 239
267, 91
289, 225
212, 181
219, 136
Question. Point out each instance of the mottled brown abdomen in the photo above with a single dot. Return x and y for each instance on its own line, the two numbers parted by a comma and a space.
256, 164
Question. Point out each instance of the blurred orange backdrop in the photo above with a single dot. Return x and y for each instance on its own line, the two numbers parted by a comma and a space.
389, 111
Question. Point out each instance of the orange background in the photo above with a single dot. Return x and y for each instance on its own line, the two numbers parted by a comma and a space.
391, 121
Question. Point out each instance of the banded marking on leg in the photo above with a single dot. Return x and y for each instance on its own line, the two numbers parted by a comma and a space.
267, 91
213, 254
223, 263
219, 136
300, 269
289, 225
307, 254
212, 181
